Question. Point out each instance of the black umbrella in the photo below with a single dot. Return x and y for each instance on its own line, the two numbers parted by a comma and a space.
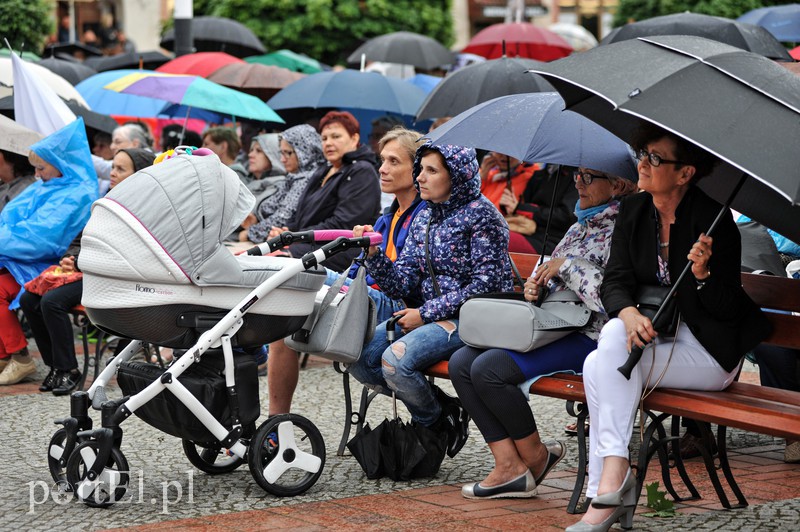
71, 71
72, 48
398, 450
395, 449
145, 60
479, 83
738, 105
218, 34
745, 36
406, 48
91, 119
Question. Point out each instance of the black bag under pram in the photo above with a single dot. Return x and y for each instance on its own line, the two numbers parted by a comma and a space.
206, 381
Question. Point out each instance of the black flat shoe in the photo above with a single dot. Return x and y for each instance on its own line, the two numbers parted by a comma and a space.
49, 381
66, 382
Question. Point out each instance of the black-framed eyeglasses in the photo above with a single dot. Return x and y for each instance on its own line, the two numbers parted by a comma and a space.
586, 177
287, 153
653, 159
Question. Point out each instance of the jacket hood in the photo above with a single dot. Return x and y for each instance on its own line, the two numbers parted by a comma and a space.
272, 149
362, 153
462, 165
68, 150
307, 144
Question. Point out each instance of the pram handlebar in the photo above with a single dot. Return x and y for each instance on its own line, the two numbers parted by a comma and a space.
327, 235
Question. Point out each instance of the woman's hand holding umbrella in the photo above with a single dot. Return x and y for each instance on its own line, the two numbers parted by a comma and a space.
700, 255
639, 327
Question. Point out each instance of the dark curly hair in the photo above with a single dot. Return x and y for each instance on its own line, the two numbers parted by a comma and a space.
685, 151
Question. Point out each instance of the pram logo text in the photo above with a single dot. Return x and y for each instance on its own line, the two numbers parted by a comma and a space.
151, 290
172, 492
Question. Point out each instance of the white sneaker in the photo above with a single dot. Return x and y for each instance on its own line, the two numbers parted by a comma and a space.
16, 372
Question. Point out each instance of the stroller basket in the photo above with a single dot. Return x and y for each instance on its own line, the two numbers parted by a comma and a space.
205, 380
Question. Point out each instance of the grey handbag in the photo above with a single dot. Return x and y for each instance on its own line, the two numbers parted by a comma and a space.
340, 324
506, 321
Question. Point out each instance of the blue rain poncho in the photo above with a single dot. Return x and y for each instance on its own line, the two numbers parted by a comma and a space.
37, 226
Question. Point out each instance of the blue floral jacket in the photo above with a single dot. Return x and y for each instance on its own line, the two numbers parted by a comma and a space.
468, 244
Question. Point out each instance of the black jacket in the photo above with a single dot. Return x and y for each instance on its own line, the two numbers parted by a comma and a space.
720, 315
352, 196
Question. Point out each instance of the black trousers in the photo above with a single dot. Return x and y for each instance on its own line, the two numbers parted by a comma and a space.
51, 323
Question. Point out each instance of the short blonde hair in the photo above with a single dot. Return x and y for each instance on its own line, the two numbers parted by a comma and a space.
35, 159
408, 139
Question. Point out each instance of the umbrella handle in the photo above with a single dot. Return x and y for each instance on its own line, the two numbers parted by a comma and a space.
390, 327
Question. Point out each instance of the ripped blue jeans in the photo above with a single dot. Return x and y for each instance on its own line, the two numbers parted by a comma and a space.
399, 366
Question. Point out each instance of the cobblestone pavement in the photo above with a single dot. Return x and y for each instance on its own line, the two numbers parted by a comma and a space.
165, 487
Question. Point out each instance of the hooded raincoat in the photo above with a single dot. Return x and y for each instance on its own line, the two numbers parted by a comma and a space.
468, 244
37, 226
277, 209
468, 250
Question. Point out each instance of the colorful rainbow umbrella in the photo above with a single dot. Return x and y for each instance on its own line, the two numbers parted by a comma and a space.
195, 92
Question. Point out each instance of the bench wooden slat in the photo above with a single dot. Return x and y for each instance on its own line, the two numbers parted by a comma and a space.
747, 413
768, 291
785, 328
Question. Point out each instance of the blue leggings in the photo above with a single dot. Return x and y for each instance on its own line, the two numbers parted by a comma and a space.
487, 382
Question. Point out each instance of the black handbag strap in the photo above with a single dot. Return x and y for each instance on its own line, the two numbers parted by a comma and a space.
428, 261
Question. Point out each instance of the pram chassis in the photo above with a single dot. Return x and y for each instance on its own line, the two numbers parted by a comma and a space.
89, 461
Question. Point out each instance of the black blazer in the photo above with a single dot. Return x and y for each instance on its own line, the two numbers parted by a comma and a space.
720, 315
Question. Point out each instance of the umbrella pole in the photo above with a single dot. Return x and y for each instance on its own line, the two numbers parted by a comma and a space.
543, 290
636, 352
185, 122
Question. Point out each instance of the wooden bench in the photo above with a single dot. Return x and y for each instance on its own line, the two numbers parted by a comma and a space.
744, 406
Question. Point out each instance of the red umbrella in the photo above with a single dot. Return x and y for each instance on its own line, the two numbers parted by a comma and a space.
198, 64
521, 40
795, 52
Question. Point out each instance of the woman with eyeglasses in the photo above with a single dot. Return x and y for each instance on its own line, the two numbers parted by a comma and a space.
657, 233
488, 382
301, 156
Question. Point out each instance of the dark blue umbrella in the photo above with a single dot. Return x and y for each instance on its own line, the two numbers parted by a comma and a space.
534, 127
781, 21
352, 90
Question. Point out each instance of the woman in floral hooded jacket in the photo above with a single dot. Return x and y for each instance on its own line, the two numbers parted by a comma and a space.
468, 252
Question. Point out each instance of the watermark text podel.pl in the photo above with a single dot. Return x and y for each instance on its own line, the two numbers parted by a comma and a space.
173, 492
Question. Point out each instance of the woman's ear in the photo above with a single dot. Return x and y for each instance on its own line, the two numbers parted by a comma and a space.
687, 173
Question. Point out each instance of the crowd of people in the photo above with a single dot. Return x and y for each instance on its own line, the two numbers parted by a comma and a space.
449, 217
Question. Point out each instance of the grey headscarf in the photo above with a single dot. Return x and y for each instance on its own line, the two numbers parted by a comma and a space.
270, 144
279, 208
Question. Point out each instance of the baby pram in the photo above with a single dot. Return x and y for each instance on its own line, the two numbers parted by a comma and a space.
155, 270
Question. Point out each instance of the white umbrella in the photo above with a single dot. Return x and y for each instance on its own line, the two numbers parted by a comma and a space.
579, 37
37, 105
61, 86
16, 138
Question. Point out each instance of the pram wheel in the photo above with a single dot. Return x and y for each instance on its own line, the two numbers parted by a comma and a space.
211, 458
109, 487
55, 453
286, 455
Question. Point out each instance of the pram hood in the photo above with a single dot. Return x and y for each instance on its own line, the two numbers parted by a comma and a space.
189, 204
